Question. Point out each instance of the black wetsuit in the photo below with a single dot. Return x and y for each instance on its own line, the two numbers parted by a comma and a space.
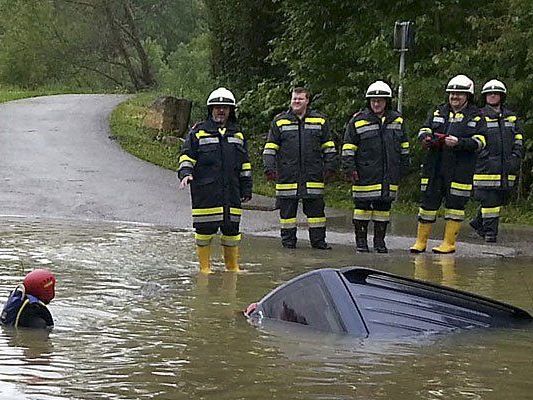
26, 311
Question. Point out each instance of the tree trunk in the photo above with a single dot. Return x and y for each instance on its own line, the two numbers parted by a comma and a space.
146, 77
117, 37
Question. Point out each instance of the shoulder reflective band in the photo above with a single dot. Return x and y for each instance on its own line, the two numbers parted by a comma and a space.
315, 120
282, 122
361, 122
202, 133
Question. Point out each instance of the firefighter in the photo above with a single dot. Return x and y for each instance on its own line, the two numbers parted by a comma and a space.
214, 161
499, 162
375, 155
453, 135
300, 157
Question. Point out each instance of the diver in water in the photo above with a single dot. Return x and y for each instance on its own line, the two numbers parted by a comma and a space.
26, 305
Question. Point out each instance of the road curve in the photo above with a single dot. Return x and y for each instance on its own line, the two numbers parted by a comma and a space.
58, 161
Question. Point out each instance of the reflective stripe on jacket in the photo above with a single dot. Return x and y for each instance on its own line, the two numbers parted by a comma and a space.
499, 162
217, 158
378, 149
299, 150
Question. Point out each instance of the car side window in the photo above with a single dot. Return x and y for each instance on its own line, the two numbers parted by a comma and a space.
305, 302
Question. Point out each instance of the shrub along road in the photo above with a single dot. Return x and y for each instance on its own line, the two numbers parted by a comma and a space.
58, 160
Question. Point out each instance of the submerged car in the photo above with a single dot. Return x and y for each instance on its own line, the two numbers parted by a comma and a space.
365, 302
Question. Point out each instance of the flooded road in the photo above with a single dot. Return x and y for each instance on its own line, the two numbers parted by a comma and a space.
134, 320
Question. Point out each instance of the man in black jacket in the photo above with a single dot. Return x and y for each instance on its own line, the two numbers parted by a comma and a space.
498, 163
214, 161
375, 155
453, 135
300, 156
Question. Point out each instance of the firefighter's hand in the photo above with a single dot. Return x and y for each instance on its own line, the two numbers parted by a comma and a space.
329, 175
271, 176
246, 199
451, 141
185, 181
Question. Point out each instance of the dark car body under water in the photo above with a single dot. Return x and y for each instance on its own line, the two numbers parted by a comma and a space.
367, 303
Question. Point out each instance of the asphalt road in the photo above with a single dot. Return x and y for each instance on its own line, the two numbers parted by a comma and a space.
58, 161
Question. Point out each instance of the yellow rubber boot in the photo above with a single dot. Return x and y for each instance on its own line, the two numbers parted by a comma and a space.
451, 231
204, 256
422, 237
231, 258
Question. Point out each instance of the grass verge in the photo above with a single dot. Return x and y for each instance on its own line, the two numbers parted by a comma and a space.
127, 127
10, 93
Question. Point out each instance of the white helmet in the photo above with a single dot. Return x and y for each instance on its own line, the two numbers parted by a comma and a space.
494, 86
378, 89
221, 97
460, 83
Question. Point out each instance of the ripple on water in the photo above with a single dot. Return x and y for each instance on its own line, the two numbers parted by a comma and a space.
135, 320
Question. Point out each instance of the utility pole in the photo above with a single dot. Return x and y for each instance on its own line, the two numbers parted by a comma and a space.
404, 38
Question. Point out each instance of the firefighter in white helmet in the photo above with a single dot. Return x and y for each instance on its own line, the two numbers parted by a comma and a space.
375, 156
214, 162
453, 135
498, 164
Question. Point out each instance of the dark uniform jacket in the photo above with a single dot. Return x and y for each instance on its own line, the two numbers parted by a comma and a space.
454, 164
499, 162
217, 158
299, 150
378, 149
26, 311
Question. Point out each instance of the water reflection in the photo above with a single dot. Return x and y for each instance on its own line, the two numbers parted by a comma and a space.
440, 269
134, 320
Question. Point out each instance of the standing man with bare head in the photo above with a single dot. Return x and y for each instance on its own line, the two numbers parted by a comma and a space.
300, 157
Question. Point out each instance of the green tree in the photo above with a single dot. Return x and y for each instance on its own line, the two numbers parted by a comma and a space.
92, 43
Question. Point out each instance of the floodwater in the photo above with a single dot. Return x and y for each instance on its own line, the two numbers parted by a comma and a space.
134, 320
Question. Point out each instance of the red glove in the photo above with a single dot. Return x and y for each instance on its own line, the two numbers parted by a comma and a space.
271, 176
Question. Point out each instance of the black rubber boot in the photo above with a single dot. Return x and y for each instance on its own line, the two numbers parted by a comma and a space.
477, 225
380, 230
490, 229
361, 230
288, 238
317, 237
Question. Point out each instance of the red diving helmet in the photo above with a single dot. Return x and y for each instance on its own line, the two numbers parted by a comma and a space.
41, 284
